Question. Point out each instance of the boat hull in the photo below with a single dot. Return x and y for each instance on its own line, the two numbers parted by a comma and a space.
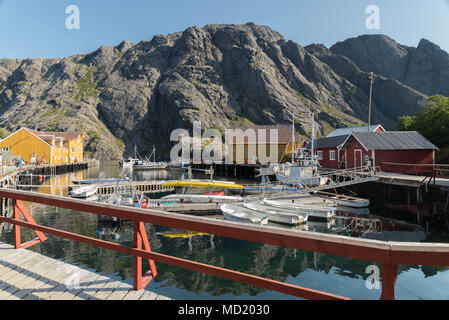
277, 215
241, 214
312, 210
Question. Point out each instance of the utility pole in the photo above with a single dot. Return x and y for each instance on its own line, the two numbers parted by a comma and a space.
313, 137
371, 80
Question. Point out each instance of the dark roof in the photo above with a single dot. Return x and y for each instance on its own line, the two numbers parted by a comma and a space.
349, 130
331, 142
394, 140
284, 134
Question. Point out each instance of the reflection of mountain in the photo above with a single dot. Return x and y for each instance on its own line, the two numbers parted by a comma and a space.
258, 259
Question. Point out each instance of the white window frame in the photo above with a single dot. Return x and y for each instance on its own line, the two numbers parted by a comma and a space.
320, 154
332, 155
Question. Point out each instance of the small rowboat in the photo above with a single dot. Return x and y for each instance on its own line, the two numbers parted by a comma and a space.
343, 200
201, 184
97, 181
316, 211
202, 198
84, 192
278, 215
241, 214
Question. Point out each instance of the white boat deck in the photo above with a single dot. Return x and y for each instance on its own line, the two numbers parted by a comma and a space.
27, 275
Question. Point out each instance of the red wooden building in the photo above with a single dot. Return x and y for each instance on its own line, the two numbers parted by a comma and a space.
328, 149
408, 147
351, 151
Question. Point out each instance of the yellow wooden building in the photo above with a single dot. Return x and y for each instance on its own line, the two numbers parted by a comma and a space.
259, 144
45, 146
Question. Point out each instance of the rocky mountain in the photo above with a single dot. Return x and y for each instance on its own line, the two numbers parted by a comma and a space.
220, 75
425, 68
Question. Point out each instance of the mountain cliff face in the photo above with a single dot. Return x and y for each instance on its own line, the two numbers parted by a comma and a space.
425, 68
220, 75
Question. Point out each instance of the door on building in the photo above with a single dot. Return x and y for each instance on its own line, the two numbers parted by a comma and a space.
358, 159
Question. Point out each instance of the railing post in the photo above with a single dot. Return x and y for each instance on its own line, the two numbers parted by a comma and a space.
17, 237
389, 276
137, 261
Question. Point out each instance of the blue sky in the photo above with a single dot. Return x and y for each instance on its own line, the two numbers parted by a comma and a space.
37, 29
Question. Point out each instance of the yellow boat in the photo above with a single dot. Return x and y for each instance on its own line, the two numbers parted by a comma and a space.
202, 184
185, 234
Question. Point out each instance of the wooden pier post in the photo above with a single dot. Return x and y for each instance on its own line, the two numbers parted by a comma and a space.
389, 276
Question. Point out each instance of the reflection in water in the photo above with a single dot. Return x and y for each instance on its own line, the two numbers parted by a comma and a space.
313, 270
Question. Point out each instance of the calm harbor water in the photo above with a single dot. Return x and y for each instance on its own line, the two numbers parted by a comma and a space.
328, 273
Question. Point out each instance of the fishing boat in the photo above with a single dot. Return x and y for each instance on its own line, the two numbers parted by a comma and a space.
278, 215
237, 213
84, 191
303, 169
343, 200
316, 211
202, 198
147, 164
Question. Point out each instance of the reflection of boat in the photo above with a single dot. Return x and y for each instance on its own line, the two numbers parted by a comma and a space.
343, 200
241, 214
201, 184
323, 226
358, 211
84, 192
278, 215
181, 234
325, 212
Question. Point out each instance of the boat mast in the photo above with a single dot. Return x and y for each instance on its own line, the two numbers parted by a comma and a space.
293, 136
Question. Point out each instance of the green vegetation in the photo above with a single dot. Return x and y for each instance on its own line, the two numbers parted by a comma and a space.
433, 124
93, 135
87, 86
4, 133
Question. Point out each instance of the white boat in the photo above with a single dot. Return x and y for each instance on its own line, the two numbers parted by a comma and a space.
343, 200
84, 192
317, 211
144, 165
278, 215
241, 214
299, 175
309, 200
202, 198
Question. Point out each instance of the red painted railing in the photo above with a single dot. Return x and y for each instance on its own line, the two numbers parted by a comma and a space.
388, 254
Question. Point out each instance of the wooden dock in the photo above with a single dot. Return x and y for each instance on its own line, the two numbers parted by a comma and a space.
27, 275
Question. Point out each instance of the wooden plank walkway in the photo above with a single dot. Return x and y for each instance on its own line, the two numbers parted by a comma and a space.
409, 180
27, 275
